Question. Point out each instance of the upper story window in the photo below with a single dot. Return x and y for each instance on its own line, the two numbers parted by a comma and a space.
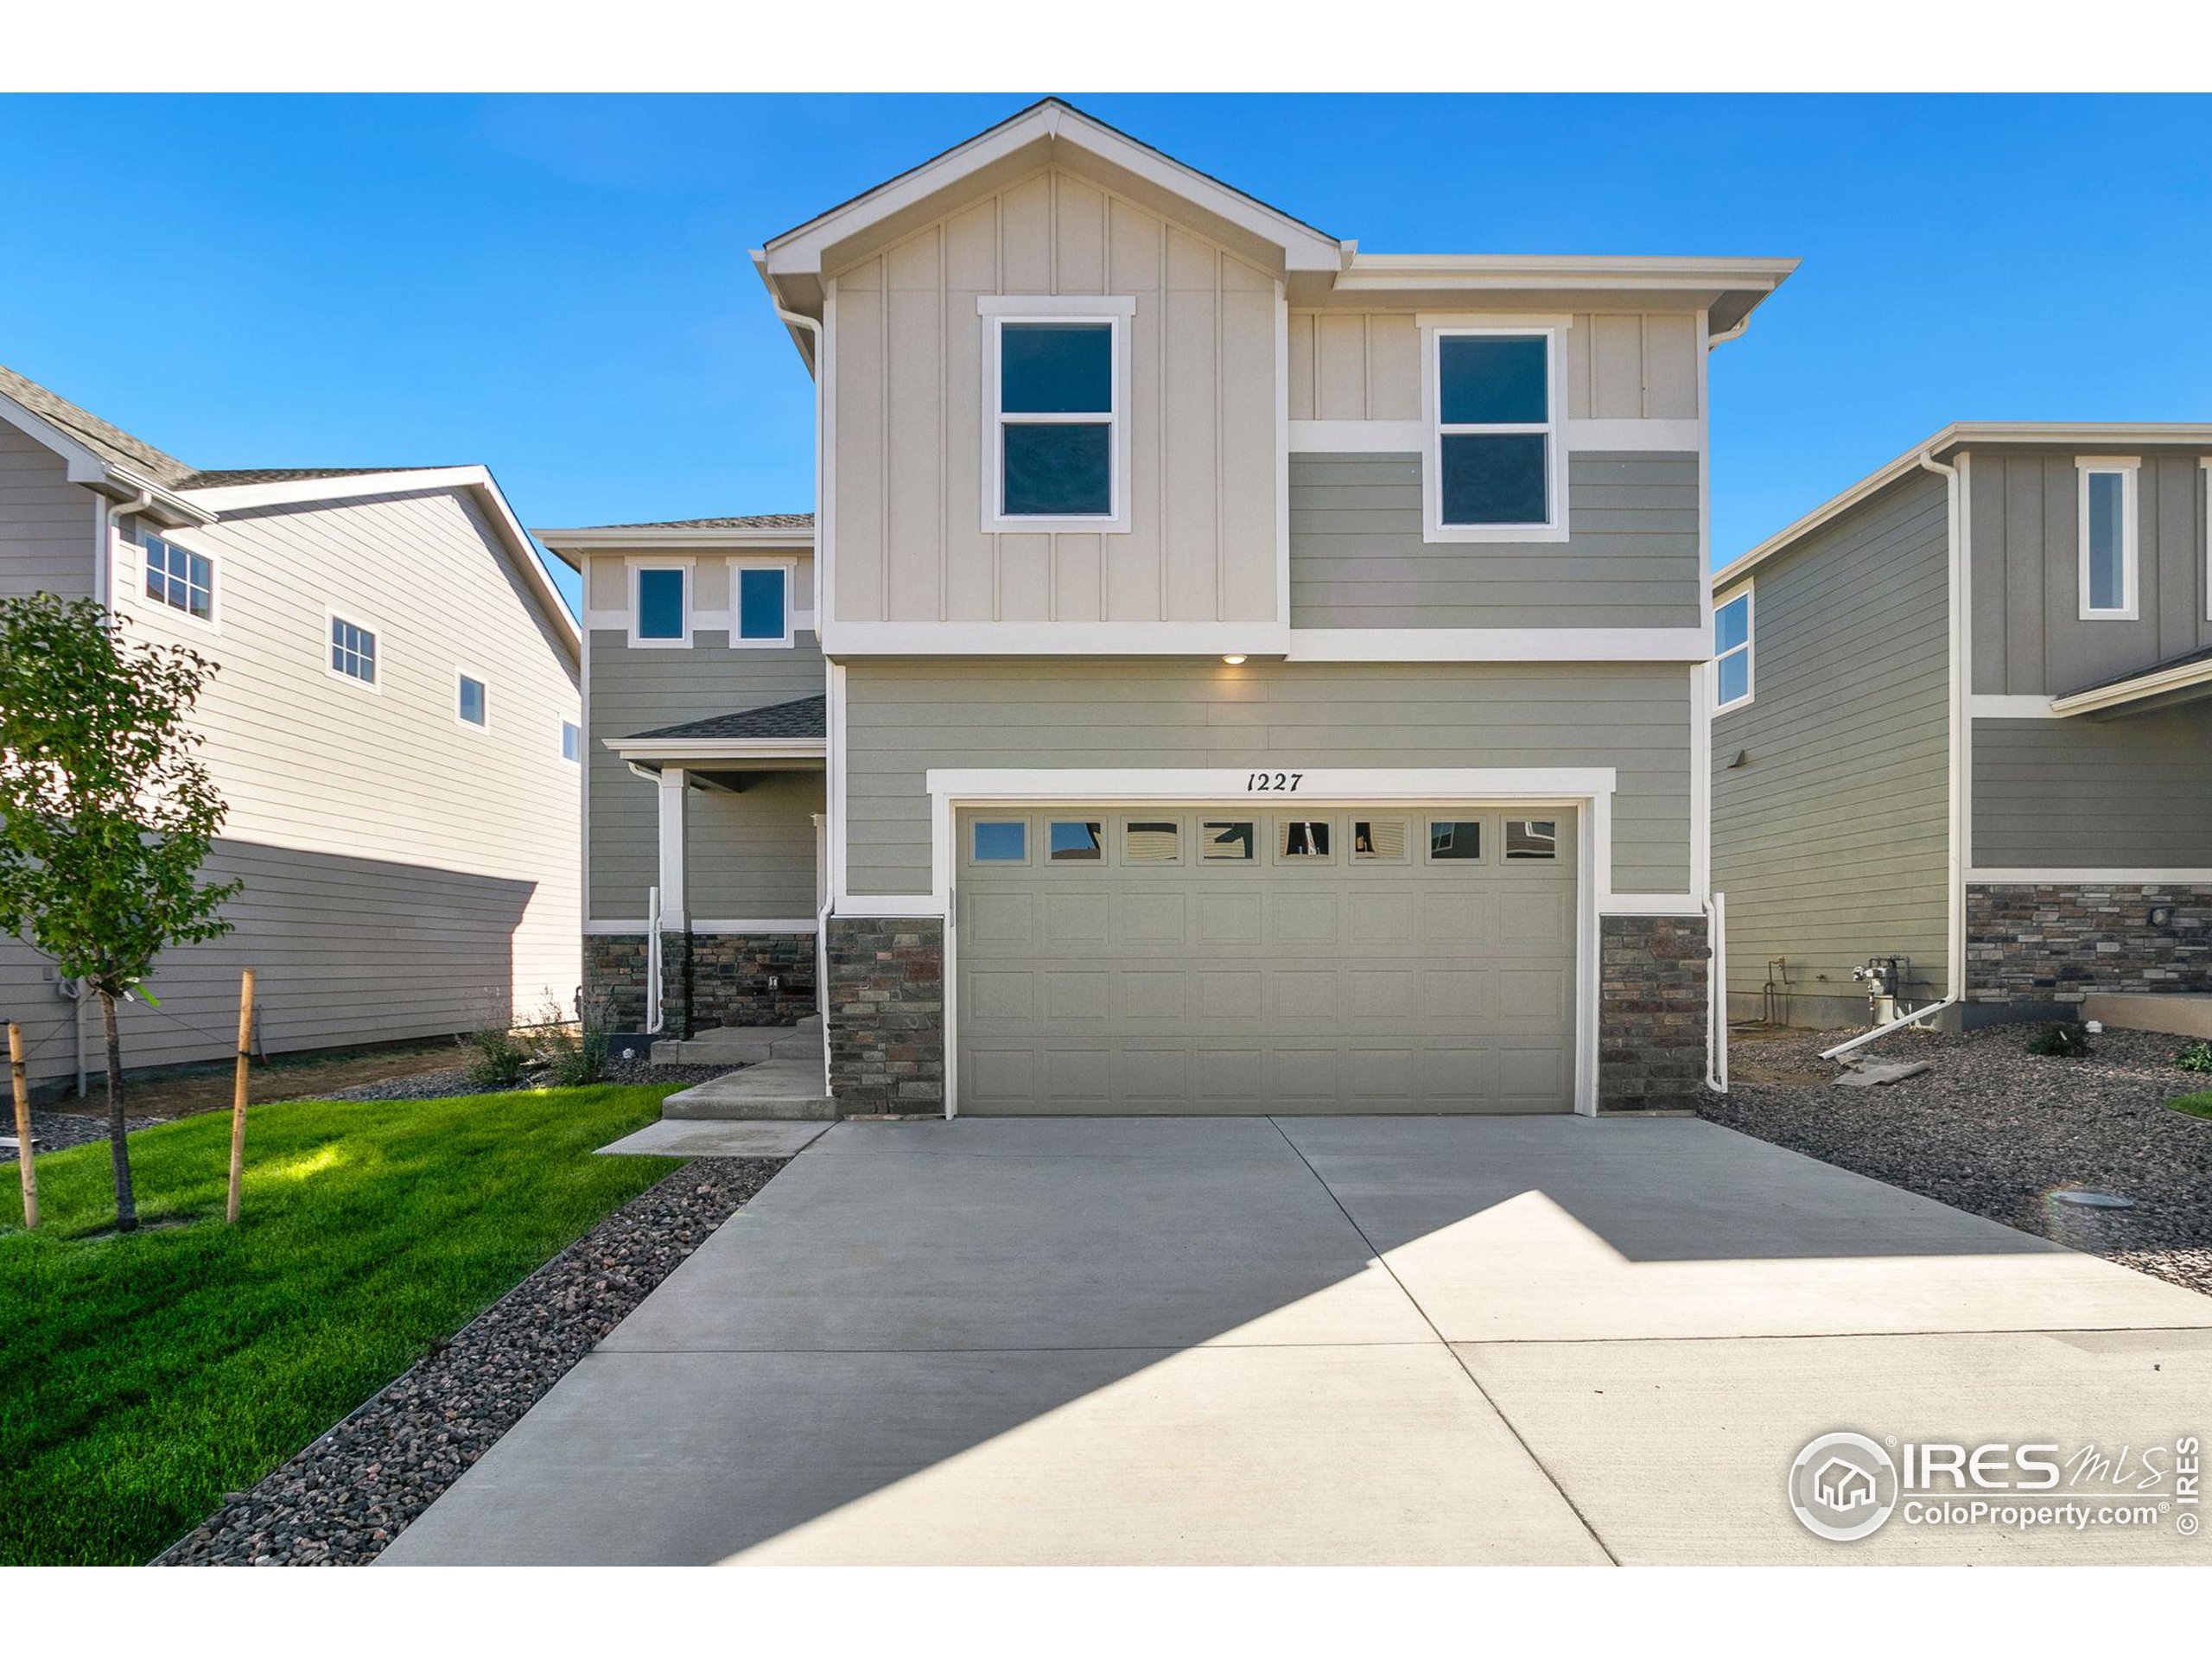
2108, 536
1732, 651
1056, 440
352, 651
179, 578
761, 605
572, 740
660, 604
1495, 470
472, 705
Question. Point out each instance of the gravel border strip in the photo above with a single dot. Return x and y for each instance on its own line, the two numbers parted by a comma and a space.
357, 1487
1994, 1131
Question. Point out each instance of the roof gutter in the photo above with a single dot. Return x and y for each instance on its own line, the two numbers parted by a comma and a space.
112, 514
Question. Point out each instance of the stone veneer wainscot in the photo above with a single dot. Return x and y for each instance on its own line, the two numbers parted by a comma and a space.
886, 1016
1652, 1010
2057, 941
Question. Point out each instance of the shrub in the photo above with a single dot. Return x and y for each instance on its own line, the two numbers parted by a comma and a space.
499, 1058
2197, 1057
2064, 1041
575, 1054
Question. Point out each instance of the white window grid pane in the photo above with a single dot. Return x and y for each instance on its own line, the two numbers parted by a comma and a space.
1108, 418
179, 578
352, 651
1545, 428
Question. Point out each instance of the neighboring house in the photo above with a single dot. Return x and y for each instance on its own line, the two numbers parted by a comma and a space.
394, 727
1961, 722
1260, 675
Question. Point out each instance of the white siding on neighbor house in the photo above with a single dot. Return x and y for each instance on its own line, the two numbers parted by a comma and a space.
407, 873
909, 400
48, 525
1365, 366
904, 717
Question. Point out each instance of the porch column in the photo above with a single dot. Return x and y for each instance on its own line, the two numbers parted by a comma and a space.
675, 910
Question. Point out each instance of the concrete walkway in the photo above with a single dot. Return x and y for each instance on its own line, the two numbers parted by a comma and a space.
1317, 1340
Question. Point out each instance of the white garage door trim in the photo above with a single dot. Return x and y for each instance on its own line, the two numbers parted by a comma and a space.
1586, 790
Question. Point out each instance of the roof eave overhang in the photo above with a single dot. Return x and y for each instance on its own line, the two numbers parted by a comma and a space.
1727, 291
2161, 685
598, 539
708, 750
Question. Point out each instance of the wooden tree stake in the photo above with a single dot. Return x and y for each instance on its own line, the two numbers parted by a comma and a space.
22, 1124
238, 1094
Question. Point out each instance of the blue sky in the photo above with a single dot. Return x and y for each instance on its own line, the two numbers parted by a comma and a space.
558, 287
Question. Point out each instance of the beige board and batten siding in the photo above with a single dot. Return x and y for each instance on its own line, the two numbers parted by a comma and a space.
48, 525
909, 401
407, 874
748, 855
1366, 366
2029, 637
1831, 840
1632, 557
2133, 792
904, 717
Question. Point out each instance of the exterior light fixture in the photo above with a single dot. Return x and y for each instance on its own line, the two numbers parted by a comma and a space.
1234, 657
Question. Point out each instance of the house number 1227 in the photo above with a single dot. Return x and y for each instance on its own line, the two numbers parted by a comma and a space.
1285, 783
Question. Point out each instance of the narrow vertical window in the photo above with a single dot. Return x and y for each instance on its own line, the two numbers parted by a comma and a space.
662, 613
762, 612
475, 703
2108, 538
572, 740
1732, 651
1055, 424
1493, 471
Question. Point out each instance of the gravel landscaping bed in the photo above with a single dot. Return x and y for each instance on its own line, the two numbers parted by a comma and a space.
55, 1130
1995, 1130
453, 1080
347, 1496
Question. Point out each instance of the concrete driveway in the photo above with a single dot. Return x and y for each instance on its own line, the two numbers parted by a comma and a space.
1318, 1340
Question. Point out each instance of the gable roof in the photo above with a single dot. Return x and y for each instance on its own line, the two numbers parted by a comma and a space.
2110, 435
94, 447
1050, 132
111, 444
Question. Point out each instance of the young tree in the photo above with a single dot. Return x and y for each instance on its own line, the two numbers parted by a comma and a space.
106, 812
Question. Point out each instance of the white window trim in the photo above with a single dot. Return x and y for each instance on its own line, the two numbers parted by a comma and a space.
214, 581
463, 672
1117, 313
1745, 650
566, 726
632, 569
1434, 332
375, 631
2128, 467
784, 641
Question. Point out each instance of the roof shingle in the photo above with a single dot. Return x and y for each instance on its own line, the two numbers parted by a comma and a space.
802, 717
750, 521
111, 444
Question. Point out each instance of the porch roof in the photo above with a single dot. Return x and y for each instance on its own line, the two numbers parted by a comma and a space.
2178, 679
796, 730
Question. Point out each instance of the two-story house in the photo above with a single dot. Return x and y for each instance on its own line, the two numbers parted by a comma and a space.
1230, 673
1962, 734
394, 725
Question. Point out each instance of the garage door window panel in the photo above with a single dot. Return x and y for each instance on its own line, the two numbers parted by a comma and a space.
1379, 841
1455, 841
1075, 840
1226, 842
1531, 838
1304, 841
1152, 841
999, 841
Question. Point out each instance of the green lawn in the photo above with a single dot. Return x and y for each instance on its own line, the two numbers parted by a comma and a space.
143, 1377
2194, 1105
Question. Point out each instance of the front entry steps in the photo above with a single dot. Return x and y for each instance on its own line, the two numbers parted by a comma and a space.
782, 1082
743, 1045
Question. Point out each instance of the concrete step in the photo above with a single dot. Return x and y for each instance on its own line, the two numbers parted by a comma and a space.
783, 1090
742, 1045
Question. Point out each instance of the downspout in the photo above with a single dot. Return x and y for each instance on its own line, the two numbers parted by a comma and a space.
1716, 904
1954, 974
831, 810
112, 514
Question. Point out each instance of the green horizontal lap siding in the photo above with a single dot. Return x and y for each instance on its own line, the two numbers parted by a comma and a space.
1357, 559
750, 855
2130, 793
1831, 841
904, 717
2029, 637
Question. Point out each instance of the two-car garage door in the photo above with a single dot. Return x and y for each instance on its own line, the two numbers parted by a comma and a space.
1224, 959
